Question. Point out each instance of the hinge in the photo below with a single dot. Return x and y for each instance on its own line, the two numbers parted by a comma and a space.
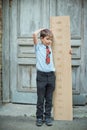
10, 3
82, 4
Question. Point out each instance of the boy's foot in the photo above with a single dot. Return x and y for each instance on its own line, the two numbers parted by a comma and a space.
48, 122
39, 122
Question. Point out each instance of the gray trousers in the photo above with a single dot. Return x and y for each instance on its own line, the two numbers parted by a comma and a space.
45, 88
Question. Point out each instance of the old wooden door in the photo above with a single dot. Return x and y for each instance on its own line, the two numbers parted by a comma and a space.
75, 9
27, 16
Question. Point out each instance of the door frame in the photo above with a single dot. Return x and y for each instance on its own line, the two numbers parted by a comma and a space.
6, 52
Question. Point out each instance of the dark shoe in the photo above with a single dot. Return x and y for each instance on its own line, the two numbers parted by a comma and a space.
39, 122
48, 122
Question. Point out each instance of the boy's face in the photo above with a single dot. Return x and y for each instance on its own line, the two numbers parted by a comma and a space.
47, 40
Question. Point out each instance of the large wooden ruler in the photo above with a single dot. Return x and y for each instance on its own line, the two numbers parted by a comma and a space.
62, 99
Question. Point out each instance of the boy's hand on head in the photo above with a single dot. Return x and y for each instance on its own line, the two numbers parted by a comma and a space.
35, 36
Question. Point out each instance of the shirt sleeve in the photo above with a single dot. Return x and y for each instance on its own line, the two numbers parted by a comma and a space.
36, 47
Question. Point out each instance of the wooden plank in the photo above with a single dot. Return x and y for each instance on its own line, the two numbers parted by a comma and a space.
62, 100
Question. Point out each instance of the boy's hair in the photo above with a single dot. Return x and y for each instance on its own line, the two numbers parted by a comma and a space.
46, 32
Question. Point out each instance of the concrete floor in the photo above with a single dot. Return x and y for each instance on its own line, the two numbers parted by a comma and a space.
22, 117
28, 123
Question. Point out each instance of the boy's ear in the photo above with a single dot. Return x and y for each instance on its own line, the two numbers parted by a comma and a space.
41, 38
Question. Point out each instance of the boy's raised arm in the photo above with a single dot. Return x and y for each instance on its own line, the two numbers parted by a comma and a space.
35, 36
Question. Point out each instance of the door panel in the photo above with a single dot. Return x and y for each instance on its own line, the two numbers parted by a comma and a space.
73, 8
26, 78
30, 16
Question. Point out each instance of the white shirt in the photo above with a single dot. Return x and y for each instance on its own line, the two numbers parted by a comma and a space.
41, 65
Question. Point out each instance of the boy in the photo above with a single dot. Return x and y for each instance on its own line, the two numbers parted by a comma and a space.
45, 75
